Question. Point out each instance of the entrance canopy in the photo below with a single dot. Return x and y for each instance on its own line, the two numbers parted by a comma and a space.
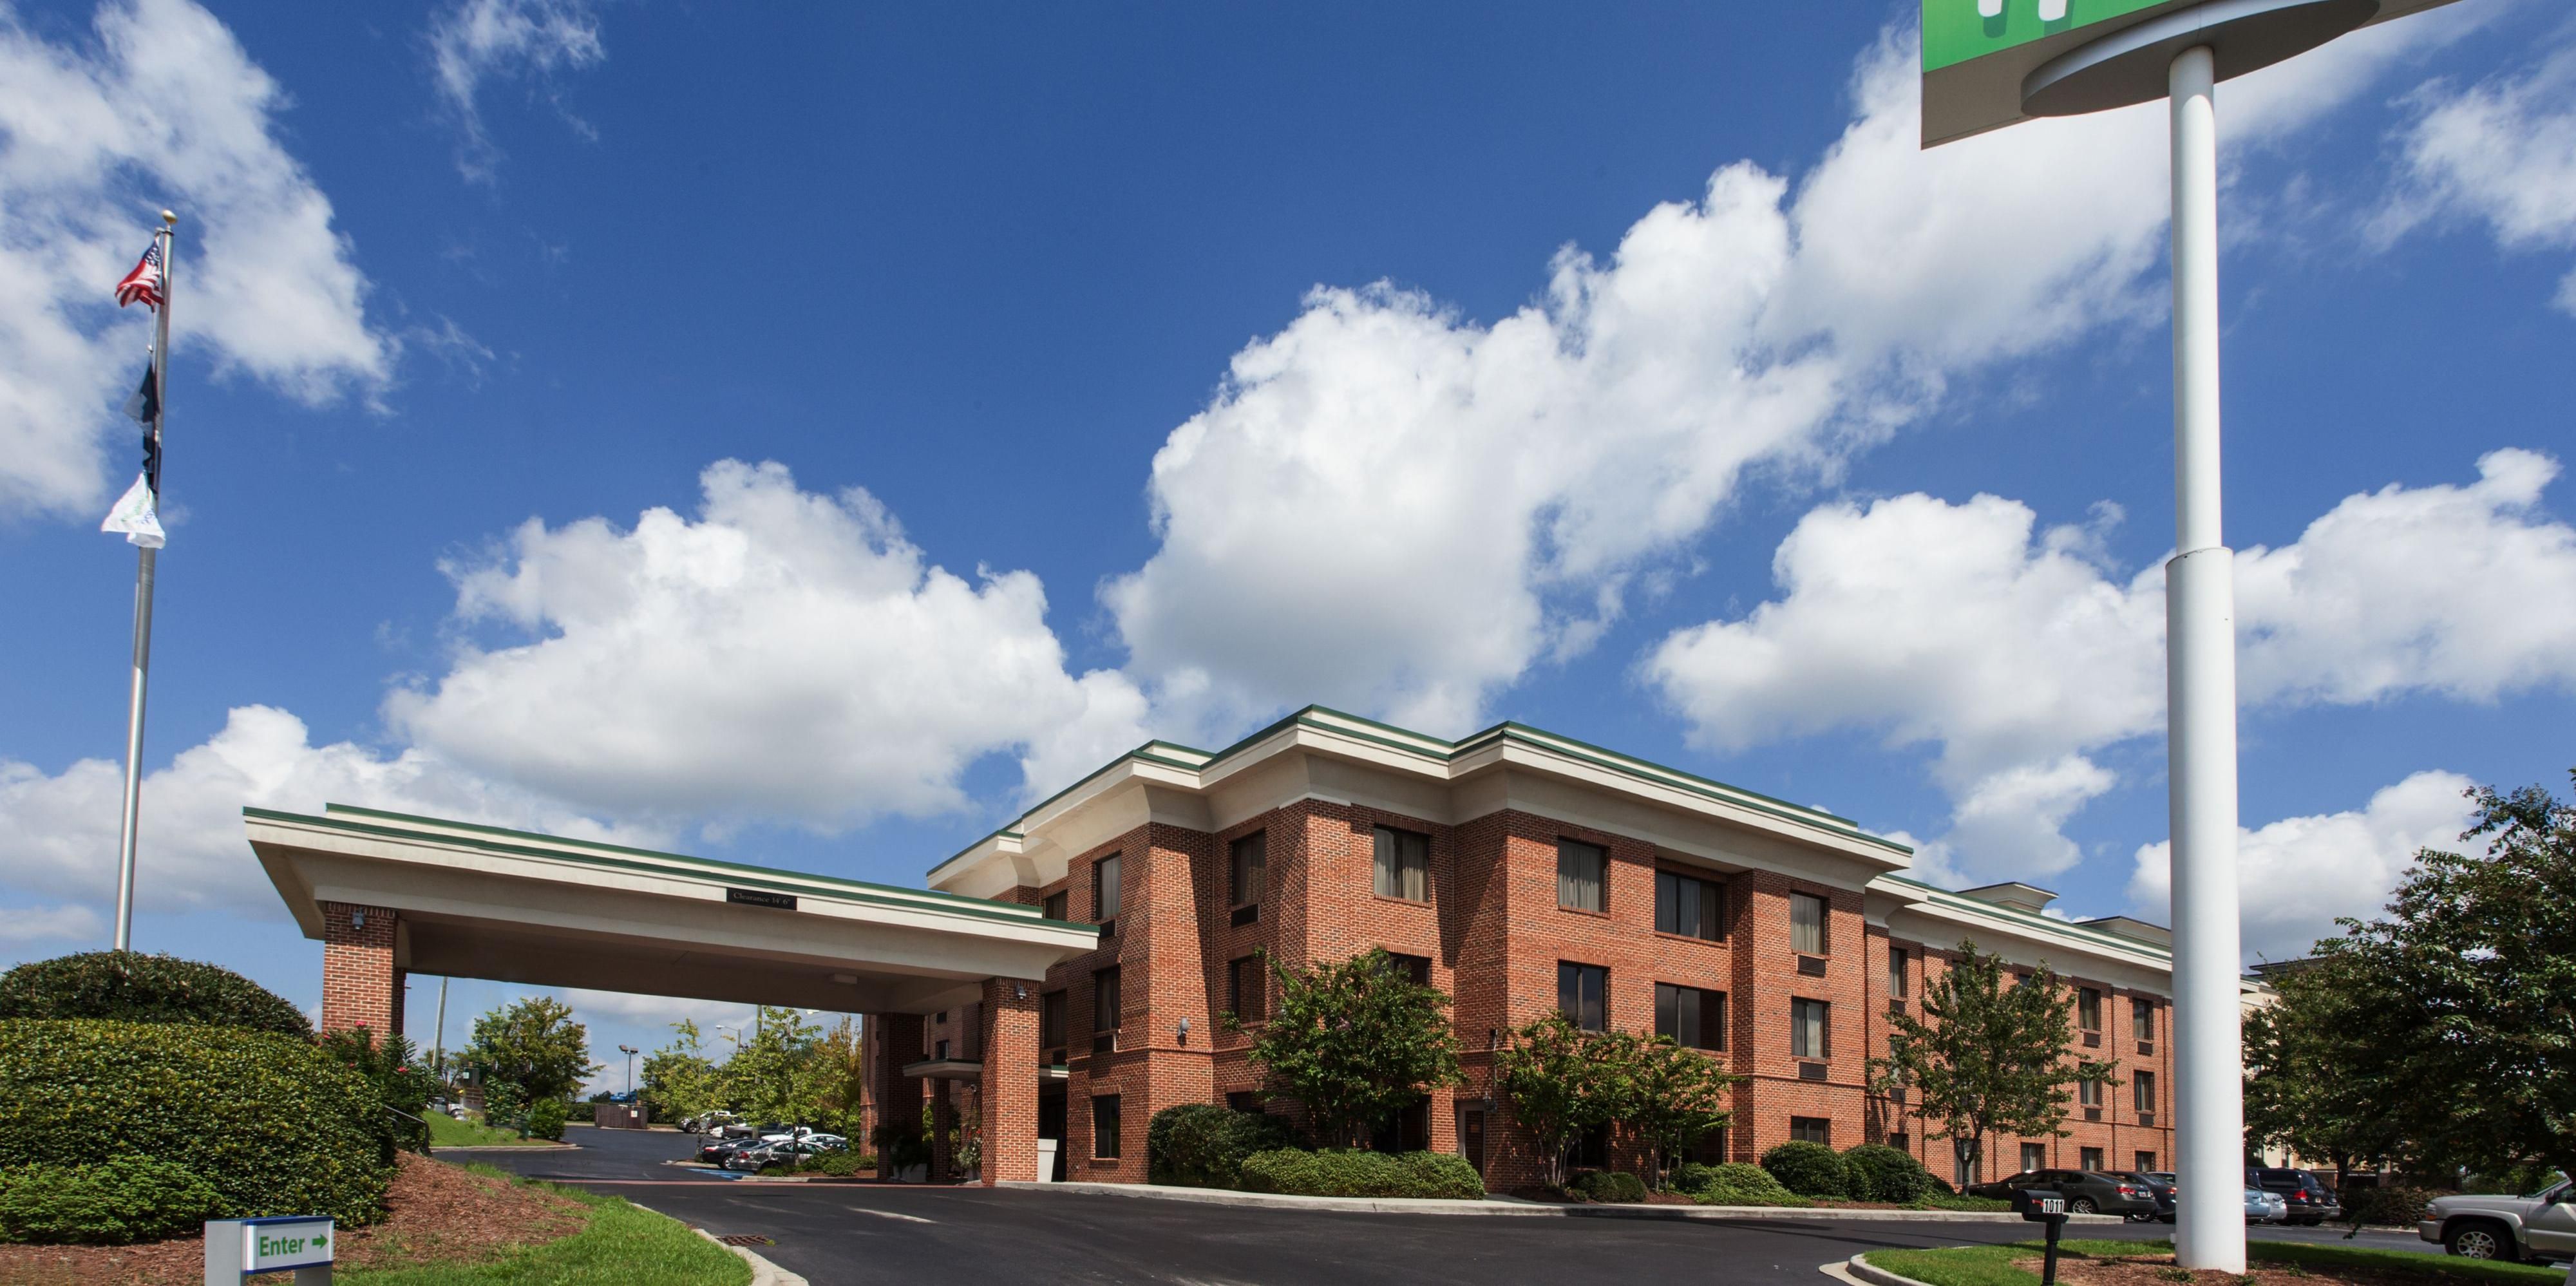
513, 906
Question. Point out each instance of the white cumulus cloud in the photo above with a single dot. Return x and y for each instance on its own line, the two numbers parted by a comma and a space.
2296, 876
474, 41
164, 109
2015, 653
26, 929
1392, 507
2501, 152
782, 654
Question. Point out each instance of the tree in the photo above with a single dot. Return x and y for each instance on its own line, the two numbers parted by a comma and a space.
679, 1078
1563, 1082
1675, 1095
1356, 1042
835, 1078
533, 1044
2458, 1004
2301, 1090
1987, 1055
765, 1077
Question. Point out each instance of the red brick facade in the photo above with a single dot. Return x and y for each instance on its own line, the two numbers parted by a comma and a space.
360, 985
1494, 935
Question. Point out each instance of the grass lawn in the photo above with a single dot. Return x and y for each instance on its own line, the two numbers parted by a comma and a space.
621, 1245
449, 1132
1993, 1265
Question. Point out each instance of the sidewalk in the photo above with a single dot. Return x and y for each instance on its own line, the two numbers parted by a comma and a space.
1514, 1207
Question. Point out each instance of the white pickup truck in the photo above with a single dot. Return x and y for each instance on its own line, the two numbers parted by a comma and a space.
2539, 1226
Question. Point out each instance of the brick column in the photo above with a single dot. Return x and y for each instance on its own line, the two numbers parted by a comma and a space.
897, 1096
943, 1132
1009, 1097
360, 986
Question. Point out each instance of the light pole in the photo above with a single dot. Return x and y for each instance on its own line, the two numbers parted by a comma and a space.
1992, 63
629, 1052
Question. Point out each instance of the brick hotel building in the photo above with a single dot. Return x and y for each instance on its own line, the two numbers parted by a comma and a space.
1517, 871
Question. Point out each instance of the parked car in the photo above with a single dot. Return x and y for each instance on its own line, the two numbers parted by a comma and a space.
2540, 1225
2265, 1206
2086, 1191
714, 1151
2310, 1201
771, 1151
2158, 1186
707, 1122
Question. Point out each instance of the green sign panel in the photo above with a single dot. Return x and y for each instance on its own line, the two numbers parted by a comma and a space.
1956, 31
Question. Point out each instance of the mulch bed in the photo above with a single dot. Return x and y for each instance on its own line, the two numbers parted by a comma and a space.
434, 1211
2159, 1270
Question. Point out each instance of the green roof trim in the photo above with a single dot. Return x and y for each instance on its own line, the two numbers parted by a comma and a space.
2051, 922
739, 874
1431, 747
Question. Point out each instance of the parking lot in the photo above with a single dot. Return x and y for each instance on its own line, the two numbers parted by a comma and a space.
848, 1233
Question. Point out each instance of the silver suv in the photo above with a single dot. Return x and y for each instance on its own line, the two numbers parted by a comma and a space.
2539, 1226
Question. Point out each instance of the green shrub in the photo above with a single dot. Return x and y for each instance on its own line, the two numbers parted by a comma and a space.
400, 1083
1608, 1186
1955, 1201
2373, 1204
1740, 1183
1877, 1172
272, 1123
840, 1165
581, 1112
1808, 1169
1201, 1145
1361, 1174
131, 987
124, 1199
546, 1119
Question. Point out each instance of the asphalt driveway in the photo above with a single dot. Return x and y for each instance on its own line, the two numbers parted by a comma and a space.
858, 1233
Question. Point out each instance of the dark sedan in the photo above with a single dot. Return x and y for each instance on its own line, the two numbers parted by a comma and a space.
2158, 1186
2309, 1200
2086, 1192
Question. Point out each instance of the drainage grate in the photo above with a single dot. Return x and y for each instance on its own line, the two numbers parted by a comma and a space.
745, 1239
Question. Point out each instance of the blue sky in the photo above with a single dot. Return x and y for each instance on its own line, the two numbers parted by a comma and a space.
1153, 371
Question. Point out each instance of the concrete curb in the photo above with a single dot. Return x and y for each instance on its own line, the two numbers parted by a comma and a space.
763, 1272
436, 1148
1858, 1268
1506, 1208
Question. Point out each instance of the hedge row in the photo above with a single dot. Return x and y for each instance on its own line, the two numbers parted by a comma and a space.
1361, 1174
1870, 1172
271, 1122
1735, 1183
129, 986
1201, 1145
112, 1203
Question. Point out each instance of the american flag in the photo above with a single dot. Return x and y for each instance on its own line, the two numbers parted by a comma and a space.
144, 283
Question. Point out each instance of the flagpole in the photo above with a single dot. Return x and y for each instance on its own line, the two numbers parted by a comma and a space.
145, 565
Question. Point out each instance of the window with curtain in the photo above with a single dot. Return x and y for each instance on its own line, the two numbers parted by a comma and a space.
1104, 1126
1810, 1036
1806, 924
2142, 1018
2088, 1009
1580, 868
1247, 989
1104, 889
1055, 907
1403, 865
1244, 860
1104, 1000
1051, 1012
1812, 1129
1694, 1018
1582, 993
1413, 969
2088, 1093
1897, 959
1689, 906
2142, 1086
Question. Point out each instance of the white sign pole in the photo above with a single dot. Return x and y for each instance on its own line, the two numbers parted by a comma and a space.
2200, 704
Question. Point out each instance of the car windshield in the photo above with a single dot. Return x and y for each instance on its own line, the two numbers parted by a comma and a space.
2549, 1193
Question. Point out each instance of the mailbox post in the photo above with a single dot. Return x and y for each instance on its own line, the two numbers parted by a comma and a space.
2048, 1206
238, 1248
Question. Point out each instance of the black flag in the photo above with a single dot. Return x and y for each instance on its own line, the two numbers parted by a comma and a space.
145, 406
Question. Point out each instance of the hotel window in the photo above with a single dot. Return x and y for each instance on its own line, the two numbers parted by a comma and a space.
2142, 1090
1897, 959
1811, 1129
2142, 1019
1104, 890
1807, 924
1056, 908
1104, 1126
1243, 1101
2088, 1093
2088, 1009
2089, 1159
1247, 989
1581, 992
1695, 1019
2034, 1156
1413, 969
1810, 1032
1403, 865
2146, 1163
1688, 906
1104, 1001
1244, 860
1579, 871
1051, 1011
